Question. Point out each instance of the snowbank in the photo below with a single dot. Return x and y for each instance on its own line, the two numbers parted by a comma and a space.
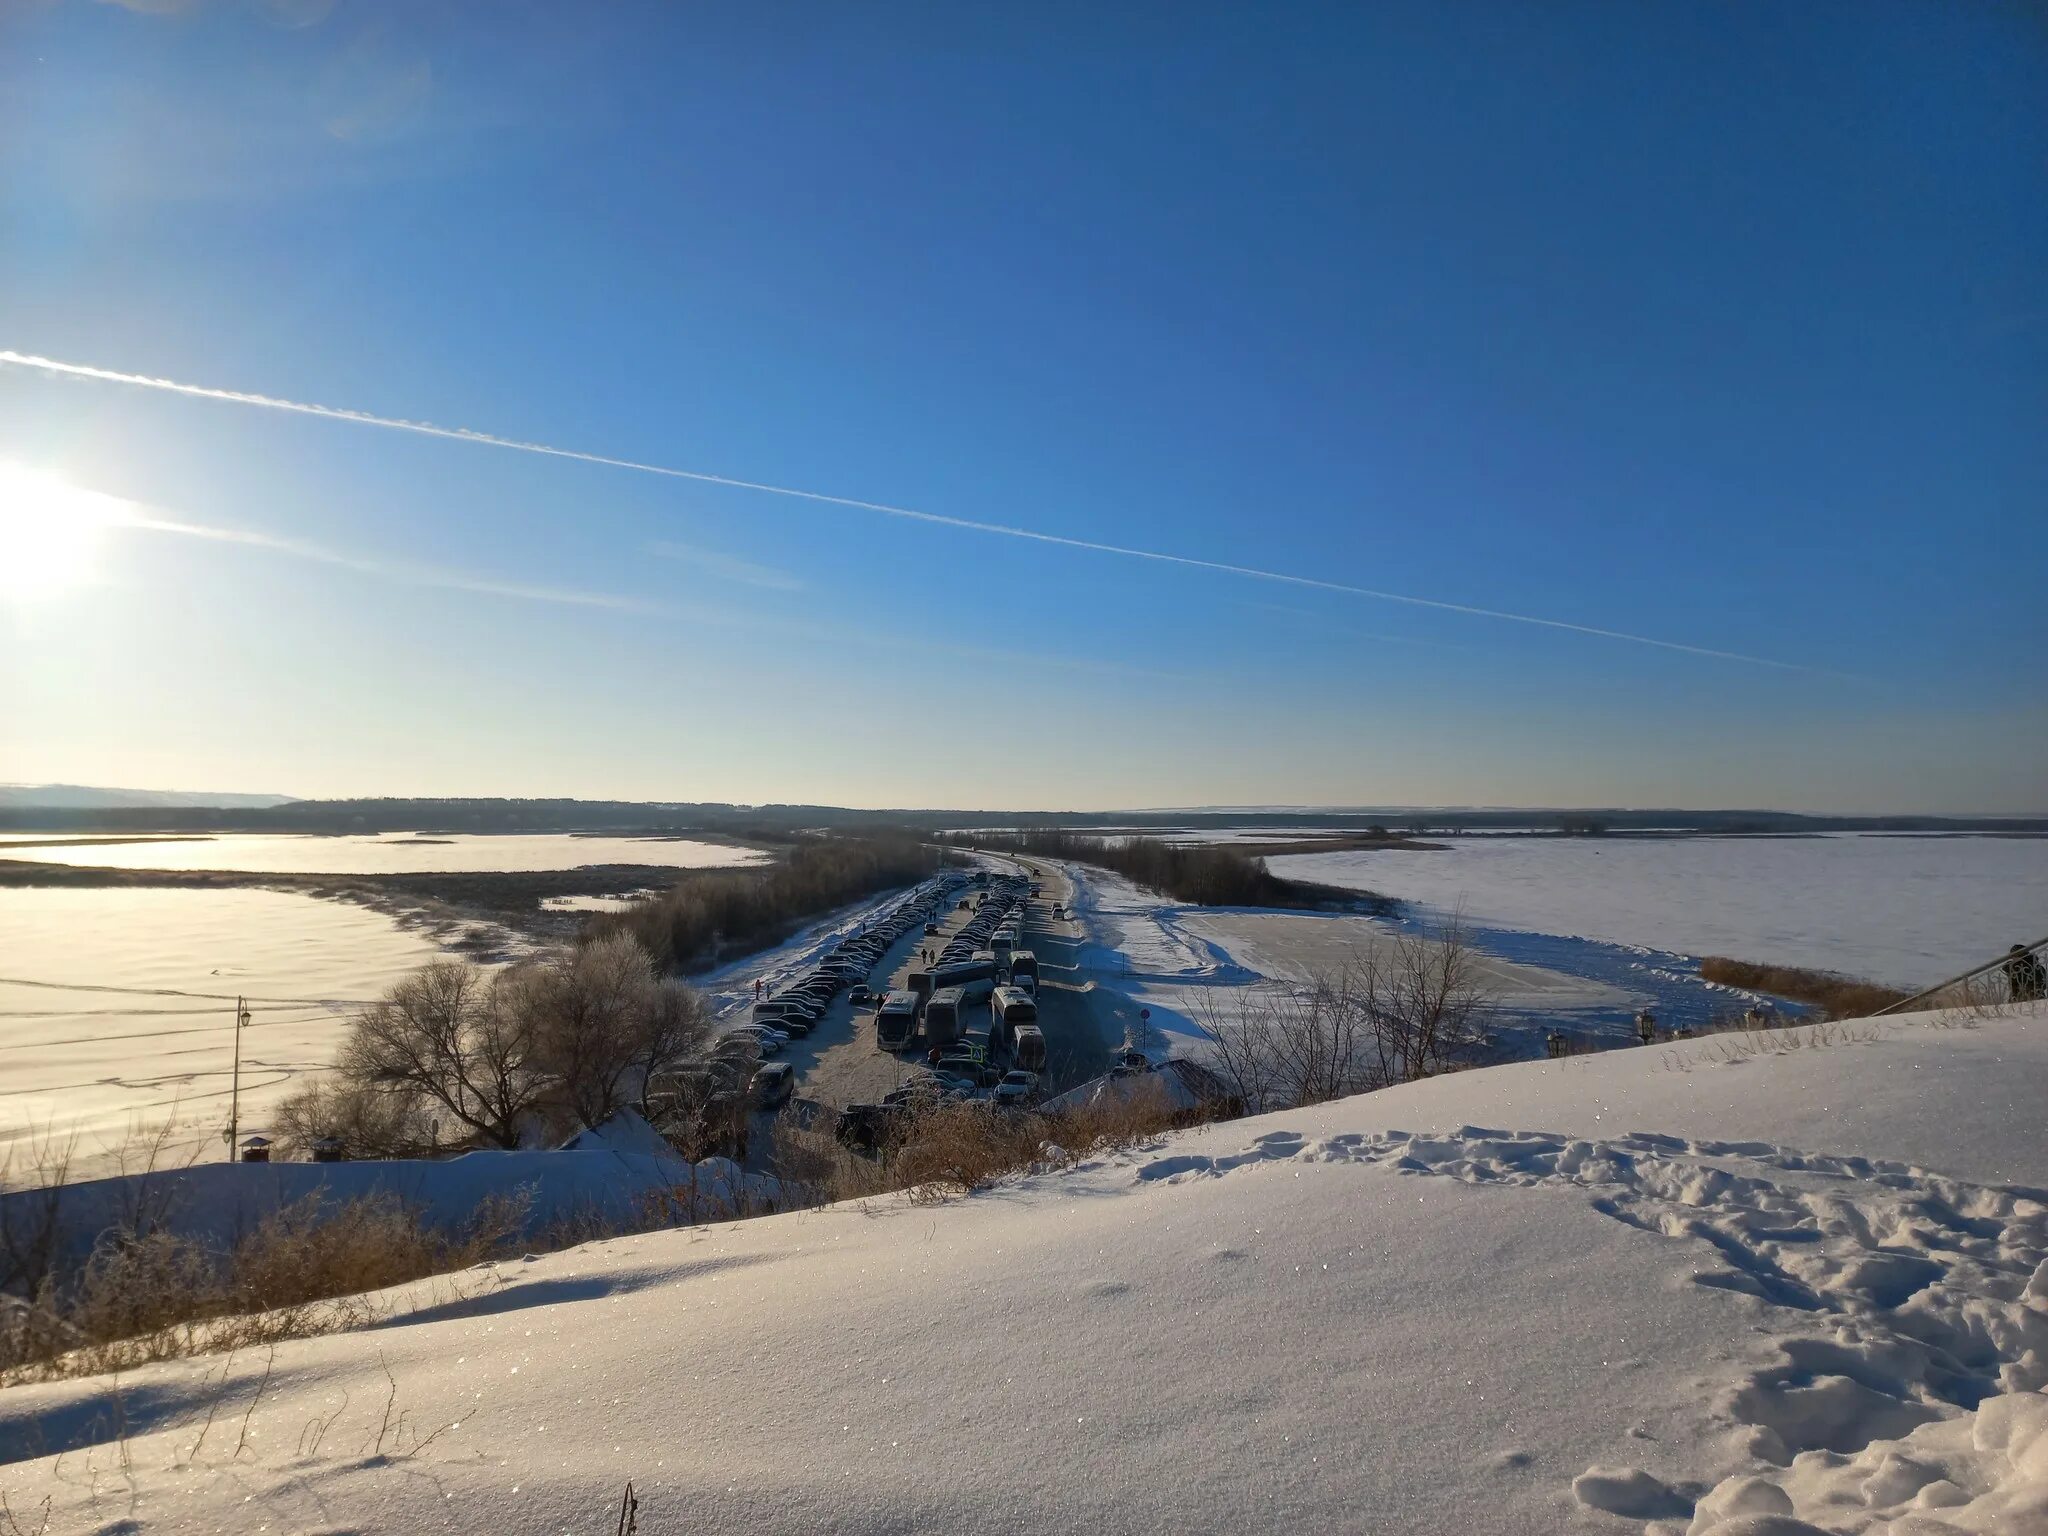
603, 1176
1707, 1289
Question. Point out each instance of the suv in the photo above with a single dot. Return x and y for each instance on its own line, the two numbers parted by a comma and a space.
772, 1084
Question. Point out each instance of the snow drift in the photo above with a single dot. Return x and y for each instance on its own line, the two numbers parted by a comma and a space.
1711, 1288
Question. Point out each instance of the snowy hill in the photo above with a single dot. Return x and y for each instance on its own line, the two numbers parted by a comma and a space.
1696, 1288
83, 797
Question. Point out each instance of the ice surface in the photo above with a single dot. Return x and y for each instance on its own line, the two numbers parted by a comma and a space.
116, 1006
389, 855
1906, 911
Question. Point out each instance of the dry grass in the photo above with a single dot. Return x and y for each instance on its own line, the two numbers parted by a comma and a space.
1838, 997
954, 1149
307, 1268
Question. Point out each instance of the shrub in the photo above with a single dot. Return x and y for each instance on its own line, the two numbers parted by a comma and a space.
1838, 997
1394, 1015
1203, 874
368, 1121
303, 1269
708, 914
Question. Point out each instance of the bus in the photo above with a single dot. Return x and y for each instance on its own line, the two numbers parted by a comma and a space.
1029, 1051
1023, 965
942, 1015
920, 984
1007, 1008
1001, 944
895, 1020
977, 978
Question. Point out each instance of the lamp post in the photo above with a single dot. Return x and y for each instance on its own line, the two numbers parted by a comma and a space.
235, 1091
1646, 1026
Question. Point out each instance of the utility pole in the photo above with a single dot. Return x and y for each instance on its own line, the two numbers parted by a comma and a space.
235, 1092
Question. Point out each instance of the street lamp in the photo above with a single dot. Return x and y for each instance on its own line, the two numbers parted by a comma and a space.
1646, 1026
235, 1092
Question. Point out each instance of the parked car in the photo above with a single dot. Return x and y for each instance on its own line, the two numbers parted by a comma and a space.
1017, 1088
773, 1082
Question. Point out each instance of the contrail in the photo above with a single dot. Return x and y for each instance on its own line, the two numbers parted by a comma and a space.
938, 519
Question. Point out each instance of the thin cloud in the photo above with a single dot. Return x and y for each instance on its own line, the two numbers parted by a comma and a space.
144, 520
1322, 623
910, 514
727, 567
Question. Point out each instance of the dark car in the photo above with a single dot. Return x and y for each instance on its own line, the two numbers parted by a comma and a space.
773, 1083
866, 1127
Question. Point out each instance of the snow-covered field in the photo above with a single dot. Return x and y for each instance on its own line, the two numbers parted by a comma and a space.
258, 853
1683, 1290
1906, 911
116, 1005
1194, 968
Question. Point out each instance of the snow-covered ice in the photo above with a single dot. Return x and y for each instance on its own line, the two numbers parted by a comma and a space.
1690, 1289
265, 853
118, 1006
1905, 911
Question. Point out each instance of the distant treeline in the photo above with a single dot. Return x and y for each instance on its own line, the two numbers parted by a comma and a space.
713, 913
778, 822
1202, 874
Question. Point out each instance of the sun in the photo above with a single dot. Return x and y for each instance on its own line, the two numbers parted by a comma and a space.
50, 533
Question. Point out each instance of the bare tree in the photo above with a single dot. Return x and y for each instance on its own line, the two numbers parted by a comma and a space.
367, 1121
588, 1012
675, 1026
1398, 1011
450, 1037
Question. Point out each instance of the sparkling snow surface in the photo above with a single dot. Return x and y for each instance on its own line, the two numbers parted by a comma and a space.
1906, 911
1688, 1290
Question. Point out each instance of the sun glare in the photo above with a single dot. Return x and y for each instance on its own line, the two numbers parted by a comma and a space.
50, 533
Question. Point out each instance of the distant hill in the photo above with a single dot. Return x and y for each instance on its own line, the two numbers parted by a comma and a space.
87, 797
114, 810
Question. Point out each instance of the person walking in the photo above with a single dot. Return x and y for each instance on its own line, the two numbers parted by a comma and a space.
2025, 978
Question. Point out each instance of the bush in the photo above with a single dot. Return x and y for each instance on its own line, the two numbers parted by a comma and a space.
303, 1269
367, 1121
709, 914
1838, 997
954, 1149
1410, 1011
1205, 874
568, 1041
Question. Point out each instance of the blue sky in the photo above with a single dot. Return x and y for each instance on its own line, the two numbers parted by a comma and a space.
1725, 327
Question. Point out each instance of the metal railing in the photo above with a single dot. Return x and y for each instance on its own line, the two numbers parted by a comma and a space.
2034, 950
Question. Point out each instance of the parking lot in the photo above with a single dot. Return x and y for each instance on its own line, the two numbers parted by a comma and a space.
838, 1063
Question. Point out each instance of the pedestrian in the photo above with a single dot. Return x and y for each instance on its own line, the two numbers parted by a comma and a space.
2025, 978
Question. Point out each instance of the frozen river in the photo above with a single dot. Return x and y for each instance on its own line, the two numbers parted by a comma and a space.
1906, 911
116, 1008
409, 853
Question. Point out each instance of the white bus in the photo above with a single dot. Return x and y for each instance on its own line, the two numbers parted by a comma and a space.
942, 1015
1007, 1008
896, 1020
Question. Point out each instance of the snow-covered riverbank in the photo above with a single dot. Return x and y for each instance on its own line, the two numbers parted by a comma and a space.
1647, 1290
